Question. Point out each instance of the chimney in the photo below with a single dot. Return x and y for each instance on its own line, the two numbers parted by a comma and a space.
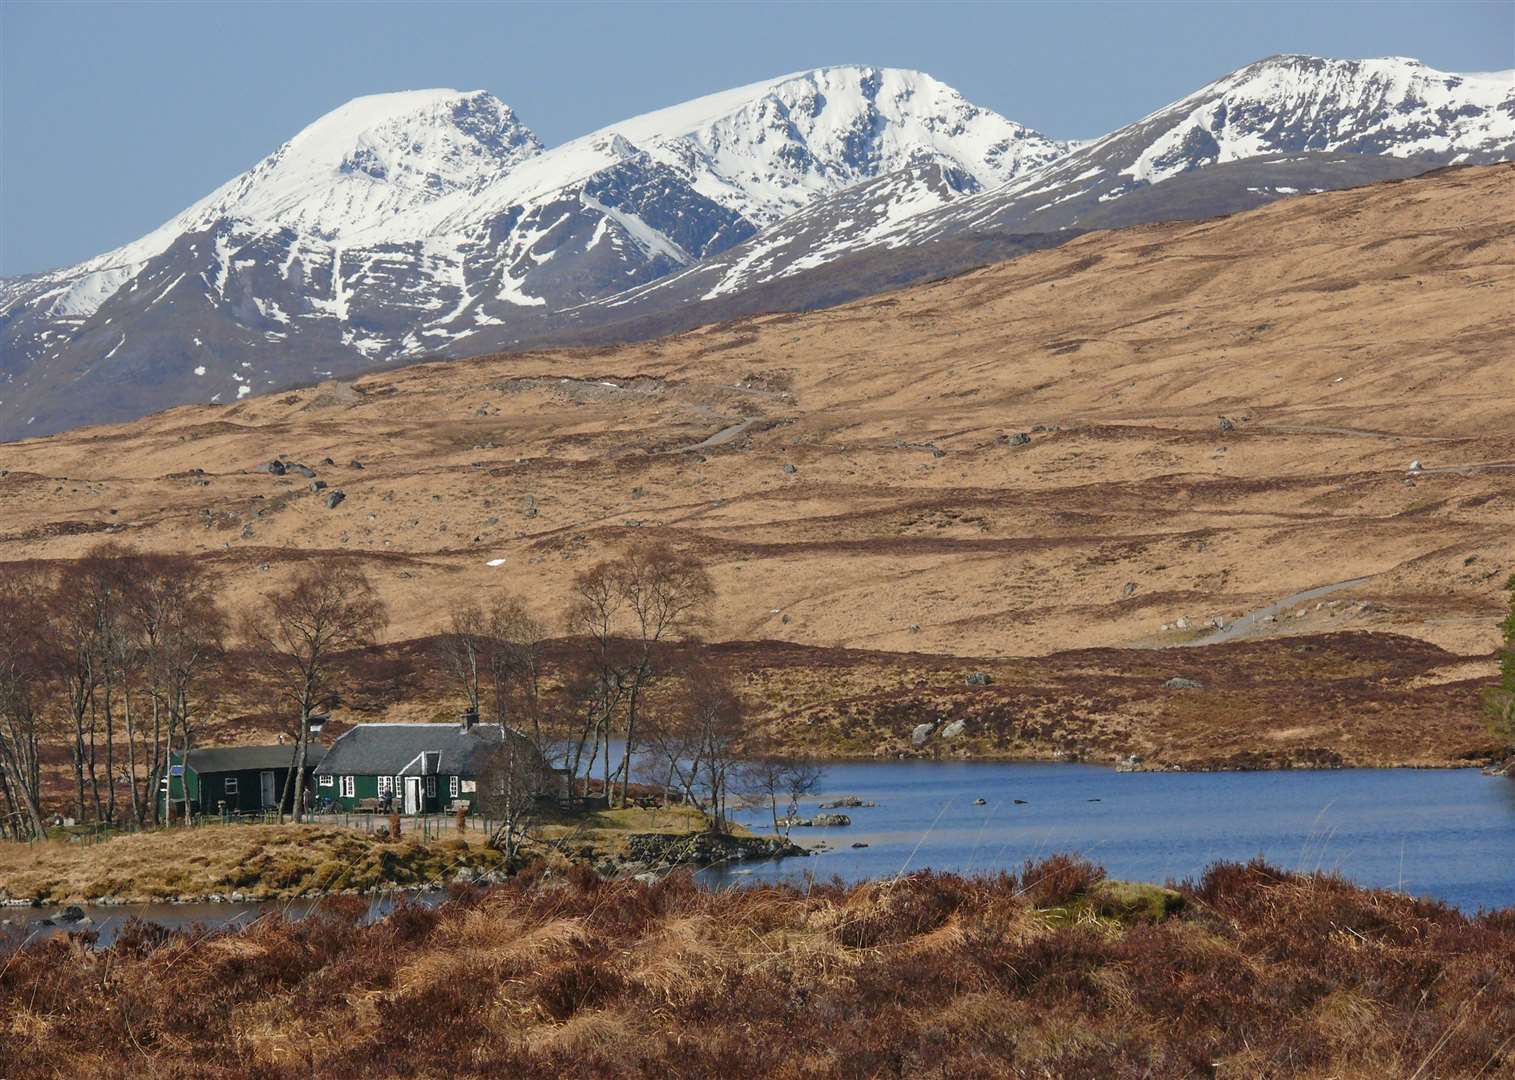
470, 717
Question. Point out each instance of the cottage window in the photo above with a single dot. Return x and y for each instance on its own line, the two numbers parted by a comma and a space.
231, 785
347, 787
386, 785
452, 787
431, 787
470, 785
323, 781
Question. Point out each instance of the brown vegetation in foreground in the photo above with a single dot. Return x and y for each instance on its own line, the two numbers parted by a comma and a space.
1259, 973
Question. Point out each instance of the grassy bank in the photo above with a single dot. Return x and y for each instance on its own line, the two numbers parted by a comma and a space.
283, 861
270, 861
1249, 972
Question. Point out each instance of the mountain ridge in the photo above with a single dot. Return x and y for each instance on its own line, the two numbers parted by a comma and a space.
467, 234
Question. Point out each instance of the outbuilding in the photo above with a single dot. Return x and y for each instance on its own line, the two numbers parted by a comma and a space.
236, 779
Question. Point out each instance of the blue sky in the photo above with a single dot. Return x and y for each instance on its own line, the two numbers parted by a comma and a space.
115, 116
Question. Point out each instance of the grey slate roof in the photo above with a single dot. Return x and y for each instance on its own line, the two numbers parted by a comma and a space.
393, 749
209, 759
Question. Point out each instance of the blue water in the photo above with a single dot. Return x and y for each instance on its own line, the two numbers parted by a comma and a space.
1448, 834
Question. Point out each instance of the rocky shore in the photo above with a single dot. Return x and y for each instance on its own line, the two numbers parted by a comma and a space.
657, 854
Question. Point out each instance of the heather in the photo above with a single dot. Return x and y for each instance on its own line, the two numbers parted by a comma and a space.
1049, 971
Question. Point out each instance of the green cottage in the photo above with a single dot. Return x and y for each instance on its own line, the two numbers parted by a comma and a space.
423, 768
235, 779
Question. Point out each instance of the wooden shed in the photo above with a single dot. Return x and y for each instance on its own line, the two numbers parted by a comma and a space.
237, 779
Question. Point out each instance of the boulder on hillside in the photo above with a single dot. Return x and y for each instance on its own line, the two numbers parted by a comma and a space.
334, 499
921, 733
979, 678
1178, 682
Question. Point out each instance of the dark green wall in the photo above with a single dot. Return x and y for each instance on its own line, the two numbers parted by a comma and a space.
367, 787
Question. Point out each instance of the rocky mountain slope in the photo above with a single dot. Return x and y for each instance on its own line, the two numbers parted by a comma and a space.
1279, 127
398, 224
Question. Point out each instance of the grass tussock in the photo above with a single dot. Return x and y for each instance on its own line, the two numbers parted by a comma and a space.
270, 861
1250, 971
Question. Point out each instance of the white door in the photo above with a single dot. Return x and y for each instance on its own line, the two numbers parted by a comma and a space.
266, 783
412, 794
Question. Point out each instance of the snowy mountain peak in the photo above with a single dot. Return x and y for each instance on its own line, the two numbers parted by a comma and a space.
768, 148
377, 157
1394, 106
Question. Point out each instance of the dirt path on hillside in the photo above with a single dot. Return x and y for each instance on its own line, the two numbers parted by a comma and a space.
1253, 618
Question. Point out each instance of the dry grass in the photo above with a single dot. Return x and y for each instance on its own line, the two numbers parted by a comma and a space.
271, 861
1254, 973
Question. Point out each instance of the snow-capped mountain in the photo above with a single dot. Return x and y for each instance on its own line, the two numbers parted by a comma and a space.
398, 224
1281, 126
434, 223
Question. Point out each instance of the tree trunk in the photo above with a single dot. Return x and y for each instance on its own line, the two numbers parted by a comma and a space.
27, 805
299, 777
110, 751
94, 773
131, 760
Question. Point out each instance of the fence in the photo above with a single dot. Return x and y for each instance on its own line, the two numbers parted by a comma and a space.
420, 826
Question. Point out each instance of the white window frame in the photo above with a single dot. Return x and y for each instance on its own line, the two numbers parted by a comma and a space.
348, 787
431, 787
323, 781
452, 787
230, 787
386, 785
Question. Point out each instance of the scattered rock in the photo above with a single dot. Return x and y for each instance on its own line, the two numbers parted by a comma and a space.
1226, 425
1128, 589
317, 485
327, 461
790, 470
273, 468
1130, 763
979, 678
831, 821
1178, 682
845, 802
921, 733
954, 729
334, 499
860, 844
302, 470
980, 802
1020, 438
1019, 802
355, 464
1182, 623
1415, 466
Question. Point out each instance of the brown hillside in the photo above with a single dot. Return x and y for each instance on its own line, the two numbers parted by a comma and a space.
1343, 334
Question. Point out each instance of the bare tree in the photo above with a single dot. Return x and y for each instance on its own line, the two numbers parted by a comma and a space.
768, 779
21, 670
462, 649
327, 607
510, 788
183, 633
666, 595
594, 612
696, 742
515, 661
